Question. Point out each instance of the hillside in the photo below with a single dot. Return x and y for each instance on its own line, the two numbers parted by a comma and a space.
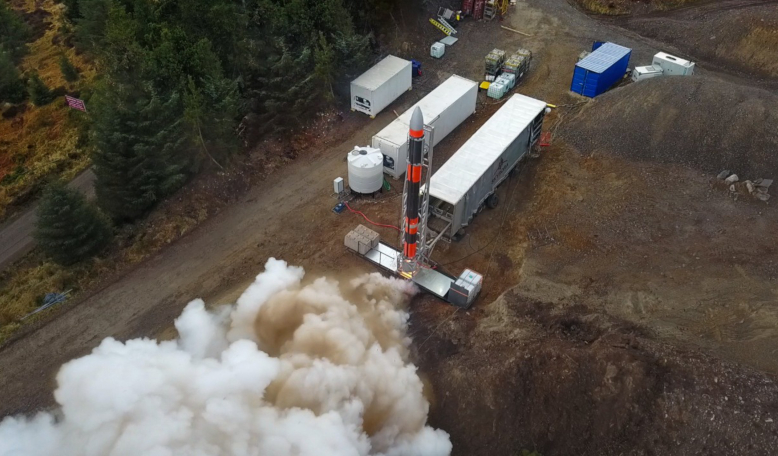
701, 122
41, 143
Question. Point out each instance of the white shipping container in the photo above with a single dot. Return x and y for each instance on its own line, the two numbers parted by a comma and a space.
471, 175
379, 86
672, 65
646, 72
444, 109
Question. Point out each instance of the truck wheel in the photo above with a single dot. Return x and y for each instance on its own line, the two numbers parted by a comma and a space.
492, 201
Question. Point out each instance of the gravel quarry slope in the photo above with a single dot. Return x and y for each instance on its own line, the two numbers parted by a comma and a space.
701, 122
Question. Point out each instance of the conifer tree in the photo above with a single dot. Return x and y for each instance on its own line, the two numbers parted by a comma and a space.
11, 85
39, 93
13, 33
69, 229
140, 152
69, 71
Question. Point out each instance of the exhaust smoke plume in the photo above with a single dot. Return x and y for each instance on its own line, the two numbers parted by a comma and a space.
319, 369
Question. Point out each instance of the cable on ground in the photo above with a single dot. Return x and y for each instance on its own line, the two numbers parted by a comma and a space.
370, 221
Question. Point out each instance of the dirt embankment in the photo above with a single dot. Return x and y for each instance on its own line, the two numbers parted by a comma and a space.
568, 380
624, 7
701, 122
738, 35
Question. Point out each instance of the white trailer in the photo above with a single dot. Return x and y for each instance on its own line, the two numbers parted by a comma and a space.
379, 86
672, 65
646, 72
470, 177
444, 109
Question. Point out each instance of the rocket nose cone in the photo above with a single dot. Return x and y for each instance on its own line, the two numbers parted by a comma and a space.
417, 120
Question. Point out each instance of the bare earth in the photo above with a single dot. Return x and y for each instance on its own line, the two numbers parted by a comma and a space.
608, 260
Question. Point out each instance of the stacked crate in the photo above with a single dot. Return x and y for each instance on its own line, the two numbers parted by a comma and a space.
518, 63
493, 63
478, 9
467, 7
361, 239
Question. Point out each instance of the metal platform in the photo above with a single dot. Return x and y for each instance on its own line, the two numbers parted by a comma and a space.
384, 256
430, 280
434, 282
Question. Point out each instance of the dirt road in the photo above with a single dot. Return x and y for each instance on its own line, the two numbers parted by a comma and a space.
288, 216
16, 234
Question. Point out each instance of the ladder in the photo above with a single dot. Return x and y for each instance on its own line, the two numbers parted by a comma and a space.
447, 28
490, 10
493, 7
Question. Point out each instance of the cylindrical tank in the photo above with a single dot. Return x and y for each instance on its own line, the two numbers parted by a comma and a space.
467, 7
478, 9
365, 170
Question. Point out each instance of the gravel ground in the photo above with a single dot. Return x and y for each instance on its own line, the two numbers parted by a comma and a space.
701, 122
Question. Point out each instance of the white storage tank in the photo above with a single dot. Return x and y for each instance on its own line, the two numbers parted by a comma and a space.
365, 170
444, 108
646, 72
379, 86
672, 65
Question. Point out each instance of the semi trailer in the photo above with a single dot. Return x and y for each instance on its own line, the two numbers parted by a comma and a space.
444, 109
379, 86
468, 180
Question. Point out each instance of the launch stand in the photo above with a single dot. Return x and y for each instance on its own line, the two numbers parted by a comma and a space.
413, 262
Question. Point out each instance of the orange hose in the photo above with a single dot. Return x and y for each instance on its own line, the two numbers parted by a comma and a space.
368, 220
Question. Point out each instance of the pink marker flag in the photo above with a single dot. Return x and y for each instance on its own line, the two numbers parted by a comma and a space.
75, 103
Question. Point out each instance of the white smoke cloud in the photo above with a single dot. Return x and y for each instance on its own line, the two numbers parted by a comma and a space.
318, 369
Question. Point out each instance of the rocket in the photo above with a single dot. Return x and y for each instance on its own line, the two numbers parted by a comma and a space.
413, 177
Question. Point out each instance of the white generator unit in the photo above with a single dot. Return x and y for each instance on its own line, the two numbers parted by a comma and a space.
365, 170
646, 72
444, 109
379, 86
672, 65
438, 50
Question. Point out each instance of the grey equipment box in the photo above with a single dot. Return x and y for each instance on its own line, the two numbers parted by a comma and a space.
464, 291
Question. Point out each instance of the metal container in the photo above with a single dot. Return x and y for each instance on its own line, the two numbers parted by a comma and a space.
600, 70
478, 9
462, 185
467, 7
444, 109
379, 86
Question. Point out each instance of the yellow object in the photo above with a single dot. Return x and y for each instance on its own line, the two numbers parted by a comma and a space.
502, 7
485, 85
551, 106
442, 27
515, 31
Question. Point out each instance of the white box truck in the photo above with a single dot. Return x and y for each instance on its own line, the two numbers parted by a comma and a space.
672, 65
469, 178
379, 86
444, 109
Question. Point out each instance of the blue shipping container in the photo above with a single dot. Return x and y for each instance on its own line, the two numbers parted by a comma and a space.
600, 70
